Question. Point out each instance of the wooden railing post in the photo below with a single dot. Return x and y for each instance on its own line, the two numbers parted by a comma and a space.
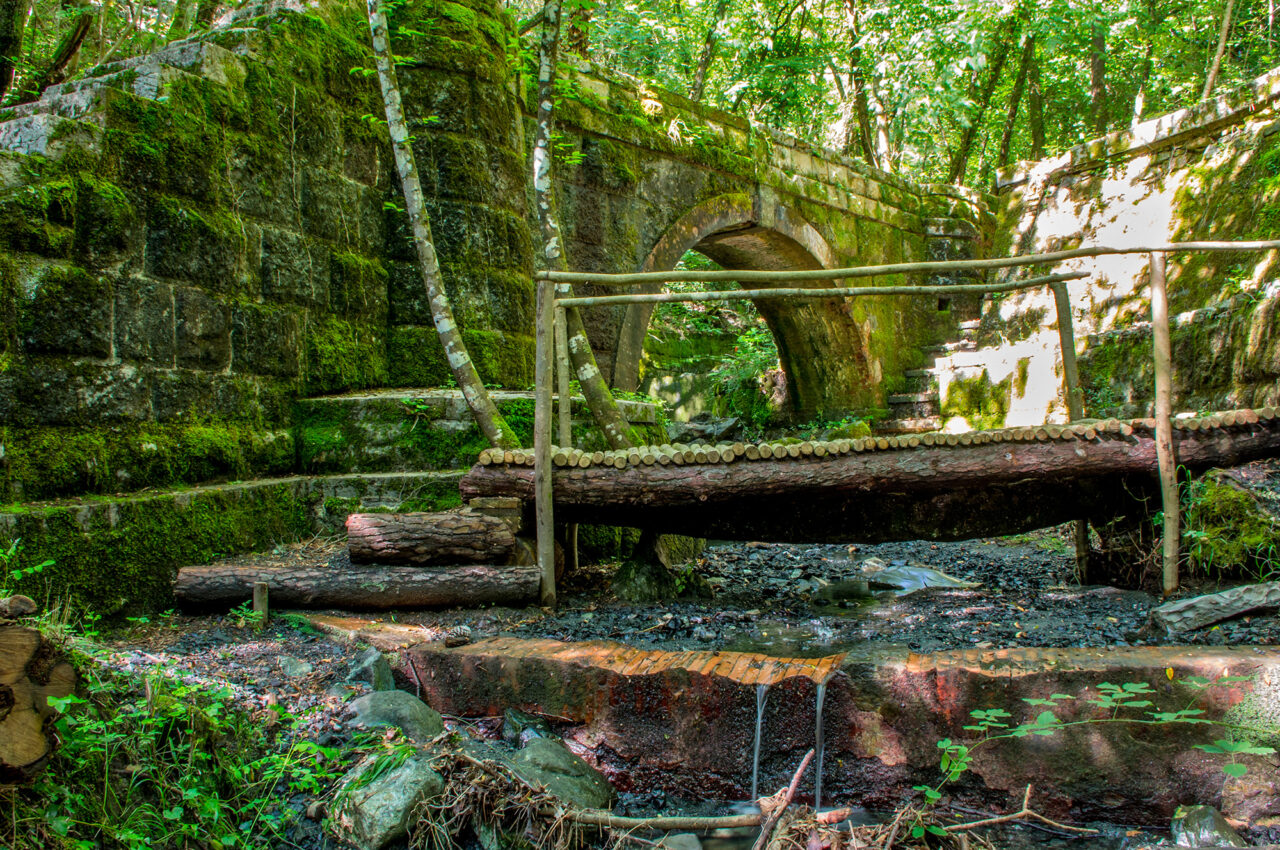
1168, 465
564, 368
1075, 406
544, 344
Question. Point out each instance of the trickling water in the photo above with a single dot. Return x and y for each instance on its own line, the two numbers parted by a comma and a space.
819, 746
762, 693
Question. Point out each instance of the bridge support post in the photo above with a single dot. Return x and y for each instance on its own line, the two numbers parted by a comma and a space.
1168, 465
544, 344
1075, 406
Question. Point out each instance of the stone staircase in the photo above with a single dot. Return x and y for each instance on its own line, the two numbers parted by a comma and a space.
918, 408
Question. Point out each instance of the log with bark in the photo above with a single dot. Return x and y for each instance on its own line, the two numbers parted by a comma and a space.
31, 670
456, 537
360, 587
965, 486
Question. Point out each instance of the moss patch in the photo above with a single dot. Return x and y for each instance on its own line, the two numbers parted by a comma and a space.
1228, 531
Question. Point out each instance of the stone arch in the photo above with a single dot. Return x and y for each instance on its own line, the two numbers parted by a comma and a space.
822, 347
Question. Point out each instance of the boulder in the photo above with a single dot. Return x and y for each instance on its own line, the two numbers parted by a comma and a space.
294, 668
521, 727
371, 666
1186, 615
415, 718
1203, 826
547, 762
372, 814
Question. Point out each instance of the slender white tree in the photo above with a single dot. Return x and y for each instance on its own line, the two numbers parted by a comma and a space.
486, 413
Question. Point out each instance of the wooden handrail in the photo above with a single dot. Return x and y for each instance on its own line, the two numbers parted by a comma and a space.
747, 276
846, 292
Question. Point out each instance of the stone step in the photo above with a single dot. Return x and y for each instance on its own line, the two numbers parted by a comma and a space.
673, 720
914, 398
916, 425
121, 552
920, 373
409, 429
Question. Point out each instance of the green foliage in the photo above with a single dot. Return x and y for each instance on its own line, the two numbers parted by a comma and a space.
1227, 531
162, 763
11, 572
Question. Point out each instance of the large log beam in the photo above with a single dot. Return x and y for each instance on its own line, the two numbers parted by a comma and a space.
360, 587
1004, 486
456, 537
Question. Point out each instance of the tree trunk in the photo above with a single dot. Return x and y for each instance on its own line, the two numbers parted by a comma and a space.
180, 24
600, 401
1144, 79
361, 587
580, 30
13, 23
1223, 34
31, 671
1015, 100
63, 55
461, 537
960, 159
860, 127
1098, 78
1035, 109
206, 12
708, 52
491, 422
1021, 480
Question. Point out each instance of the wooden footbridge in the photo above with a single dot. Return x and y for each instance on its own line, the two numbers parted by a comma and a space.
940, 486
876, 489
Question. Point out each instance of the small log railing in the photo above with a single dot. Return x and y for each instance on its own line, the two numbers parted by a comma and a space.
552, 356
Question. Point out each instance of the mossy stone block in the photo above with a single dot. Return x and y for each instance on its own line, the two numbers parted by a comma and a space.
203, 247
144, 322
266, 340
202, 331
344, 355
66, 310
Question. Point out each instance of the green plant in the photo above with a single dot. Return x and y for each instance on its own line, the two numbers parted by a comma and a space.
11, 573
244, 615
1113, 704
157, 762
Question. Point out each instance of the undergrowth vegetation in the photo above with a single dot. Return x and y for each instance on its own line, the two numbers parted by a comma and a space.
1228, 532
156, 762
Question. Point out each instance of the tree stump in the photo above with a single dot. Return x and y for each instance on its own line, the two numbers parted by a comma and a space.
31, 670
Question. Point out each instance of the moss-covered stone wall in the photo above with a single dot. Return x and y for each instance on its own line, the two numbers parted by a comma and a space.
1208, 173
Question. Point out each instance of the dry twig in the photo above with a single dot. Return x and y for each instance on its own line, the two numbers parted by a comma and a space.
772, 820
1025, 812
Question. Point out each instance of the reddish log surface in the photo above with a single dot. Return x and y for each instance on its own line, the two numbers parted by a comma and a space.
360, 587
940, 493
456, 537
31, 671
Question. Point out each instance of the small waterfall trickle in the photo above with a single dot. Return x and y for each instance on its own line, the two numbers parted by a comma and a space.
819, 747
762, 693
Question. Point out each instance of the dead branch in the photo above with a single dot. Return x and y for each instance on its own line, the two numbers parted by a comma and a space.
1025, 812
772, 820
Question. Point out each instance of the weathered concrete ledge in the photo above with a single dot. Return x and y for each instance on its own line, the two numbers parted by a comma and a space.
685, 721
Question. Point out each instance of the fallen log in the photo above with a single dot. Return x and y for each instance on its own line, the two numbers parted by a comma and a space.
938, 493
360, 587
457, 537
31, 670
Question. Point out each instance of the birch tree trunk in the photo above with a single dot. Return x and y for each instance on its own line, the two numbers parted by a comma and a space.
1212, 79
464, 371
604, 410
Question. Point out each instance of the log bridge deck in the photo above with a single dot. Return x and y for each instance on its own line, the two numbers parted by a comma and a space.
879, 489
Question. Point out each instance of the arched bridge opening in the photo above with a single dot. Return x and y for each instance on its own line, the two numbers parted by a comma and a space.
822, 347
